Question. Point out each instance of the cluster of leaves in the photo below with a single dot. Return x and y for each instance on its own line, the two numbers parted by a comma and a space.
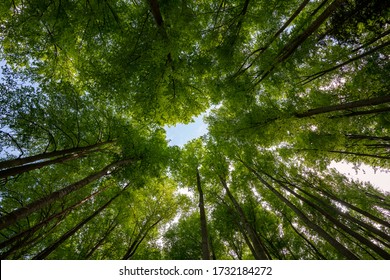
291, 86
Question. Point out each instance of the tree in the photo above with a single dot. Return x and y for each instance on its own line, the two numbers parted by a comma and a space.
87, 89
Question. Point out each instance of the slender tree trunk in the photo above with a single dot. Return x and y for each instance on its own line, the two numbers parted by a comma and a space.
362, 113
347, 153
27, 243
372, 41
358, 154
322, 73
155, 9
346, 106
212, 249
46, 252
259, 250
62, 215
203, 220
138, 240
249, 243
22, 212
321, 232
31, 159
276, 35
377, 146
291, 46
339, 224
28, 167
287, 23
337, 211
310, 244
367, 137
295, 43
101, 241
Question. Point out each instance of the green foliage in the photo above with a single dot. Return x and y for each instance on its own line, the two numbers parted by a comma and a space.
289, 87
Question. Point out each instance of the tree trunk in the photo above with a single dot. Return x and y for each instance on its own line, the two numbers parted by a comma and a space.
28, 167
138, 240
22, 212
203, 220
367, 137
101, 241
340, 213
321, 232
347, 153
310, 244
34, 228
259, 250
337, 223
276, 35
312, 77
46, 252
346, 106
291, 46
362, 113
295, 43
31, 159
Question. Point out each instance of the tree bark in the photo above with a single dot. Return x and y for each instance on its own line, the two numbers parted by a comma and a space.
361, 211
346, 106
294, 44
367, 137
259, 250
337, 223
203, 220
22, 212
276, 35
31, 159
138, 240
291, 46
312, 77
340, 213
34, 228
28, 167
46, 252
310, 244
362, 113
321, 232
101, 241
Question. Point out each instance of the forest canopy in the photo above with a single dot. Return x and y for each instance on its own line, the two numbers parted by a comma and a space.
87, 88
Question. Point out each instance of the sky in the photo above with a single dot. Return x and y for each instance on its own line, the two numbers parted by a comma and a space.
181, 134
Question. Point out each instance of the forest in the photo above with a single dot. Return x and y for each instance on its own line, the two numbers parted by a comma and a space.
287, 88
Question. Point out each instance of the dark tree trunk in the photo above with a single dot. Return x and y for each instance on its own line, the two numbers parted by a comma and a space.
28, 167
294, 44
291, 46
22, 212
203, 220
276, 35
46, 252
31, 159
368, 137
61, 215
138, 240
337, 223
364, 225
101, 241
321, 232
348, 153
259, 250
310, 244
362, 113
322, 73
346, 106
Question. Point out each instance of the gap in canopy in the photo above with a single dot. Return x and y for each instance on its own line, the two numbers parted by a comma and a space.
180, 134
